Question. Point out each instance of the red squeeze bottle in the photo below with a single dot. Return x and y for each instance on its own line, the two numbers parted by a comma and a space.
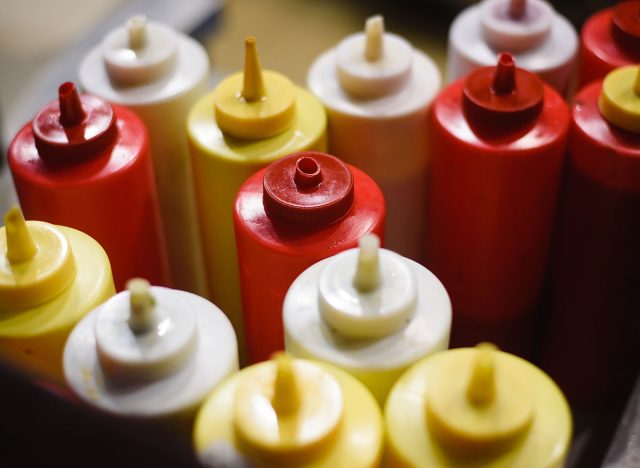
85, 163
592, 348
498, 139
299, 210
609, 39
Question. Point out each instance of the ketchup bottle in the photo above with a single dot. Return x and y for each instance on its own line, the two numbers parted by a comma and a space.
498, 138
593, 343
301, 209
84, 163
609, 39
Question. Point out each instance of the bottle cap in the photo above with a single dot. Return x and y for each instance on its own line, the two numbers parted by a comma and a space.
288, 411
503, 93
36, 262
143, 335
74, 125
478, 402
374, 63
308, 189
625, 25
515, 25
254, 104
367, 292
140, 52
620, 98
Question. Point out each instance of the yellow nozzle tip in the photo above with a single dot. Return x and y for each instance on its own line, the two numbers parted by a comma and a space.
482, 387
286, 398
142, 305
20, 245
374, 32
619, 100
253, 86
367, 276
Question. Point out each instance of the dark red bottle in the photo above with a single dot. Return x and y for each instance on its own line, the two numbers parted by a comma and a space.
85, 163
299, 210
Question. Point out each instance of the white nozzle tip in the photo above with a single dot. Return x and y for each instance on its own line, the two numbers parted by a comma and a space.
367, 277
137, 28
142, 304
374, 30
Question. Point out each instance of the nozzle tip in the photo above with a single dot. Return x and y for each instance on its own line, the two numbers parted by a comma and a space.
253, 86
71, 111
308, 173
20, 244
368, 277
481, 389
286, 399
137, 29
374, 31
504, 80
517, 9
142, 305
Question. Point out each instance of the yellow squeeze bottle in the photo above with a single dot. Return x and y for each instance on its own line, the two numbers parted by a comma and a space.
290, 412
250, 120
50, 277
476, 407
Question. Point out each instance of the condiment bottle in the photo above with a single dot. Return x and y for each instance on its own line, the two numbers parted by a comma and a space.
377, 90
369, 311
299, 210
159, 73
499, 138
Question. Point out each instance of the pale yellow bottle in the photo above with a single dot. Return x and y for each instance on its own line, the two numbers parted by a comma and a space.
50, 278
476, 407
290, 412
250, 120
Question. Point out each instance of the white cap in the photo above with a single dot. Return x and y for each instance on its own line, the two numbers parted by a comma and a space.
367, 292
515, 25
140, 52
374, 63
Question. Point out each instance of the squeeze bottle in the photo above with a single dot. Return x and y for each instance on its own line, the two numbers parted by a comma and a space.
542, 41
609, 39
85, 163
299, 210
593, 343
250, 120
369, 311
377, 90
289, 412
474, 407
499, 138
50, 278
159, 74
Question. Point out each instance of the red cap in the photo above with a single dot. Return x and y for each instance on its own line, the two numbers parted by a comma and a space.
308, 189
74, 125
625, 25
502, 94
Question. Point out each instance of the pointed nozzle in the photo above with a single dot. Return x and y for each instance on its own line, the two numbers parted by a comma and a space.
367, 277
253, 86
137, 29
374, 30
286, 399
482, 386
142, 303
504, 79
517, 9
20, 244
71, 111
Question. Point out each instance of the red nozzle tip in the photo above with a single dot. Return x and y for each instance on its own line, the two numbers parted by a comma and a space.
504, 79
71, 111
517, 9
308, 172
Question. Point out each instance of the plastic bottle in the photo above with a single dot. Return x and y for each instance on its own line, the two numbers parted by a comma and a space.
289, 412
84, 163
499, 138
250, 120
377, 90
609, 39
159, 74
543, 41
593, 343
476, 407
369, 311
299, 210
50, 278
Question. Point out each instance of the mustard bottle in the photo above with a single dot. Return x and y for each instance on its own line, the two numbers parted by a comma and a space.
50, 278
250, 120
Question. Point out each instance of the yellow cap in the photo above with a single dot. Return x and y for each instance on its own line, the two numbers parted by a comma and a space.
36, 262
287, 412
254, 104
620, 98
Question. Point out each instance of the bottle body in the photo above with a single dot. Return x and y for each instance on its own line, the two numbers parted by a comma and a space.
492, 199
271, 254
110, 196
164, 110
592, 342
221, 164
